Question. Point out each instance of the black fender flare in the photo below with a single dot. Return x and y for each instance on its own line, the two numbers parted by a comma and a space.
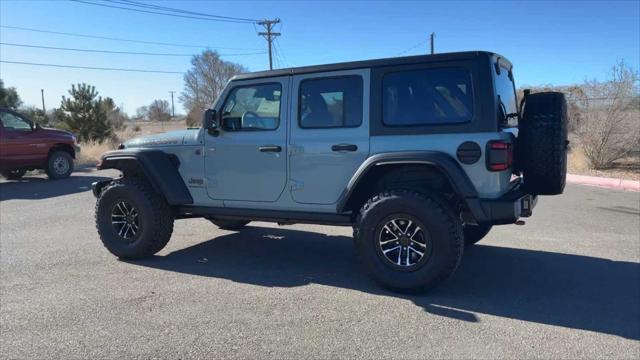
159, 168
442, 161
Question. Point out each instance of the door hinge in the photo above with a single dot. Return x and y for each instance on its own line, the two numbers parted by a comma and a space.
295, 149
296, 185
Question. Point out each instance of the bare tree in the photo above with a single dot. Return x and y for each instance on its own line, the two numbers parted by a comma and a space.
609, 128
142, 113
115, 116
194, 117
206, 80
159, 110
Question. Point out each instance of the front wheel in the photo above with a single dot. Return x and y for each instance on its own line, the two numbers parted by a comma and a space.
408, 241
59, 165
133, 221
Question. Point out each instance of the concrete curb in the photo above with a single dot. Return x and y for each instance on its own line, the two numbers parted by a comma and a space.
609, 183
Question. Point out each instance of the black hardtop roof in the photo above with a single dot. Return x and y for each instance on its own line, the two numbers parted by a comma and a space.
405, 60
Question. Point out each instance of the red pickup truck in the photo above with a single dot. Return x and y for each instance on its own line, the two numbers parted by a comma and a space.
25, 145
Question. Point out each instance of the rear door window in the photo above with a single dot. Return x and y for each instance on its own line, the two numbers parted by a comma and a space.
427, 97
330, 102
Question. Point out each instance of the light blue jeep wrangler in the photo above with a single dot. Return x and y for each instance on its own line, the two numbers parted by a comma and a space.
420, 155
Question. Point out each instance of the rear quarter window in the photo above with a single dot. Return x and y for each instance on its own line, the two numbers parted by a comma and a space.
507, 101
427, 97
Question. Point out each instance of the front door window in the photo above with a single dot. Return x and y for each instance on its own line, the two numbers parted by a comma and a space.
252, 108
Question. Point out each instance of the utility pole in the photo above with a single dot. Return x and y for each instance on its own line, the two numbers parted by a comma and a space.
432, 38
44, 111
269, 35
173, 113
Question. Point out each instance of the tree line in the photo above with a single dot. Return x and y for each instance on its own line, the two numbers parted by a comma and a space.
84, 112
604, 116
95, 118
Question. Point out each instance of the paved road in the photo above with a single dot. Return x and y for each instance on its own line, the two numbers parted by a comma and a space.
566, 285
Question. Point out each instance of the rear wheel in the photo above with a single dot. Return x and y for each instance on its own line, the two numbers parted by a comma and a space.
474, 233
132, 220
229, 224
14, 174
59, 165
408, 241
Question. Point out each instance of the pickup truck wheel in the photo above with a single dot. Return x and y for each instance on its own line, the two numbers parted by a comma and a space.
408, 241
13, 174
59, 165
133, 221
229, 224
475, 233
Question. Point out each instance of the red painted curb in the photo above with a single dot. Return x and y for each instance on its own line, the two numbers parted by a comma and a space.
609, 183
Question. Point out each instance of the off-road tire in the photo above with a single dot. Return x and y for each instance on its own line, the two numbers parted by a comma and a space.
13, 174
440, 221
155, 218
474, 233
56, 172
229, 224
541, 148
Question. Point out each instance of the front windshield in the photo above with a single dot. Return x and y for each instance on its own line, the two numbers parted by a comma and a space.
508, 103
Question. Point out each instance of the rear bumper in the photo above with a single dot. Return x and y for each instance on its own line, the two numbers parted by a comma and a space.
508, 208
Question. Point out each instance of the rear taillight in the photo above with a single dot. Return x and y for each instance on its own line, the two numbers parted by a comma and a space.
499, 155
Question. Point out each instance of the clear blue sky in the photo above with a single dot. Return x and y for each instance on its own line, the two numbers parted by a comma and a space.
550, 42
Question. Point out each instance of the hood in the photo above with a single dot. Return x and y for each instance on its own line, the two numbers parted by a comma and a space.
172, 138
57, 133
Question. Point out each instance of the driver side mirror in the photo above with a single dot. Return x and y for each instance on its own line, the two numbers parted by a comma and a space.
37, 126
210, 122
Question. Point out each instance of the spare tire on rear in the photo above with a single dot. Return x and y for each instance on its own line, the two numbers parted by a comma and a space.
541, 148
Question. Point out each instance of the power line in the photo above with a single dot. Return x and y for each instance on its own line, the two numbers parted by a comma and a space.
122, 39
280, 53
165, 8
160, 13
118, 52
413, 47
91, 67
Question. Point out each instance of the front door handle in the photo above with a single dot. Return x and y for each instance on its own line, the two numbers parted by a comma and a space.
270, 148
344, 147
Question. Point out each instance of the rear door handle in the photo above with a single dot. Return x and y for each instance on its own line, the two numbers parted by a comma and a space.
270, 148
344, 147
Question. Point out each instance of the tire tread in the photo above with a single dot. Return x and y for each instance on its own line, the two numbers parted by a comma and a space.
162, 217
454, 229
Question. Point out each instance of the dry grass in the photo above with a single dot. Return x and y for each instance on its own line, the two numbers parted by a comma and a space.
577, 162
626, 168
91, 151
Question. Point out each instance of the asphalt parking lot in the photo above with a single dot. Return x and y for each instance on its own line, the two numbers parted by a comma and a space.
565, 285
